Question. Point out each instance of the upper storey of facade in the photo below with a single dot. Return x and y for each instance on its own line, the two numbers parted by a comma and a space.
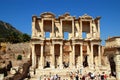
47, 26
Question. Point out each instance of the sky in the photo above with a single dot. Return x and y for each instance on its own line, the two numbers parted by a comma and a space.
19, 13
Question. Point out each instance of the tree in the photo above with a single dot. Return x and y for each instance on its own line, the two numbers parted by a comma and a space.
25, 37
14, 37
19, 57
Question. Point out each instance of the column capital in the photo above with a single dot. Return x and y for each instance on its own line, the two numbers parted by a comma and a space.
61, 44
42, 44
73, 44
32, 44
52, 44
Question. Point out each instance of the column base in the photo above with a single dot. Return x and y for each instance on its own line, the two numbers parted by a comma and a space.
40, 67
61, 67
81, 66
52, 67
91, 66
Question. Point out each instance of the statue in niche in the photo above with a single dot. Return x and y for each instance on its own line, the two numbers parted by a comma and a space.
77, 34
56, 32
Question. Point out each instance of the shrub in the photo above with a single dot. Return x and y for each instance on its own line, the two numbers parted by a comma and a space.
19, 57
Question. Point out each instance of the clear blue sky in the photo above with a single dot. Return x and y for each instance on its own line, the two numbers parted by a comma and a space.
19, 12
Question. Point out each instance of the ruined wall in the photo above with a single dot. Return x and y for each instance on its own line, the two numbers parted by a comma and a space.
19, 48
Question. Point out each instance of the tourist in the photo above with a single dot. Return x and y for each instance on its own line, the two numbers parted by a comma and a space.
76, 76
92, 76
98, 76
45, 77
52, 78
105, 76
56, 77
71, 77
80, 76
102, 76
83, 77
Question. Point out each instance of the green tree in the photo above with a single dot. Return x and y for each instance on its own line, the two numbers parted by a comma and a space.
14, 37
19, 57
26, 37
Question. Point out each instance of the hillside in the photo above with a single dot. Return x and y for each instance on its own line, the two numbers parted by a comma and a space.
6, 29
8, 33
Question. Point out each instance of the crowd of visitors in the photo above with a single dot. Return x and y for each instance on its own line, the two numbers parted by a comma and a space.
88, 76
78, 76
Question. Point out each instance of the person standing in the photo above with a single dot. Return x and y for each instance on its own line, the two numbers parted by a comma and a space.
102, 76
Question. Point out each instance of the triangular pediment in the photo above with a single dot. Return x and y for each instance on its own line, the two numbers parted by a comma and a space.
86, 16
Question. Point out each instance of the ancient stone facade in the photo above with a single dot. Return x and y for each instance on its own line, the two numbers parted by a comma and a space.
65, 42
112, 51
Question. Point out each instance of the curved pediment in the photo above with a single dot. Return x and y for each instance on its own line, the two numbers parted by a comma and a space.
47, 15
86, 16
66, 16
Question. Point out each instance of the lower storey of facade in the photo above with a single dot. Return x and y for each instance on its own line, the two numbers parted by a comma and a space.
65, 54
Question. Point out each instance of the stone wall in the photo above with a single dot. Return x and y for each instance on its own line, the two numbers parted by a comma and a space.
115, 42
19, 48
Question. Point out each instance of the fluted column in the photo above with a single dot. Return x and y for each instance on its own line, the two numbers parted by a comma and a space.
73, 56
42, 29
81, 56
89, 55
73, 28
98, 28
91, 63
99, 52
33, 26
41, 57
53, 28
61, 56
80, 34
33, 56
52, 57
61, 28
70, 60
91, 30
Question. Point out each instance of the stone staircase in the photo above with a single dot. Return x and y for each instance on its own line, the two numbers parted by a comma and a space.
64, 73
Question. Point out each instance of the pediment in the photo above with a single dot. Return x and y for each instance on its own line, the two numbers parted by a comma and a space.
66, 16
47, 15
86, 16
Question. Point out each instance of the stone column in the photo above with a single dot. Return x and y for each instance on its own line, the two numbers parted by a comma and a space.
53, 28
33, 26
81, 55
33, 55
88, 49
70, 60
61, 28
52, 65
98, 28
61, 56
41, 58
79, 58
99, 55
91, 55
80, 34
42, 29
73, 28
73, 56
117, 62
91, 30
